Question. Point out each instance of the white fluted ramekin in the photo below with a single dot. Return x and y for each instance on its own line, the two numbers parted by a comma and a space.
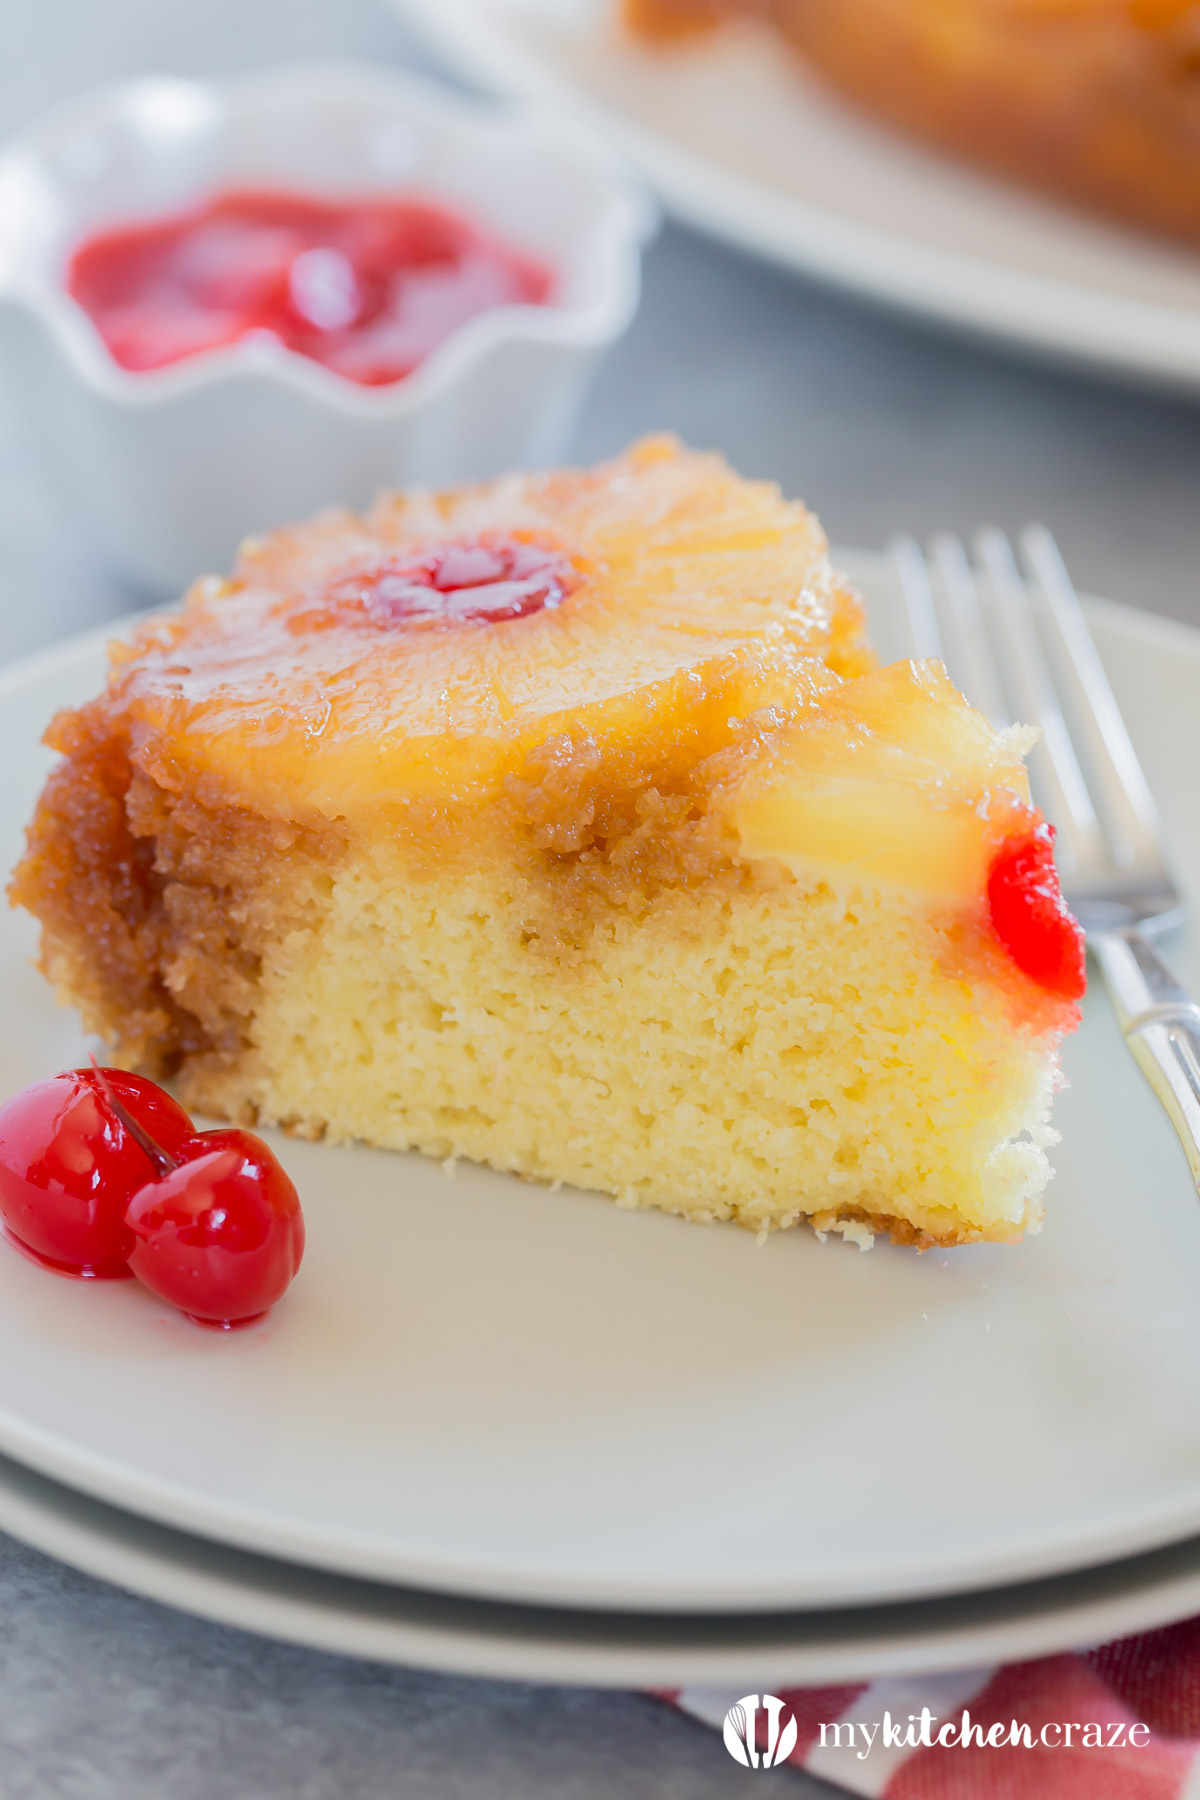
174, 466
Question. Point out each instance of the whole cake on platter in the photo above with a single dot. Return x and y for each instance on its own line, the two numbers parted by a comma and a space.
1094, 100
565, 823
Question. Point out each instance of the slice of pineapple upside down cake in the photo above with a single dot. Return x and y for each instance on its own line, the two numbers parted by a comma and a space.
565, 823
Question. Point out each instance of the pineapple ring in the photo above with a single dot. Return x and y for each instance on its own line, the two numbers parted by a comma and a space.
697, 597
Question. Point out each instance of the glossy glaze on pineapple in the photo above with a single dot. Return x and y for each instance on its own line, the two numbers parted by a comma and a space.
682, 599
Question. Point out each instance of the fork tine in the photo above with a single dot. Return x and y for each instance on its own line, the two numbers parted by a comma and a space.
1121, 787
973, 665
917, 595
1067, 801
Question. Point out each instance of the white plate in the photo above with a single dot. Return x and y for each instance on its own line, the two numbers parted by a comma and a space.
482, 1387
472, 1637
741, 143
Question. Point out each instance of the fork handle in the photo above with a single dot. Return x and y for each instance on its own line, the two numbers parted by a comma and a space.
1161, 1024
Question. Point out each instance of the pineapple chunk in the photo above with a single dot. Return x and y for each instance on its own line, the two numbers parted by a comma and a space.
894, 782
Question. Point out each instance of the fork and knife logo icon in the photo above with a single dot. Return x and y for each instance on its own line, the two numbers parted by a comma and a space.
753, 1748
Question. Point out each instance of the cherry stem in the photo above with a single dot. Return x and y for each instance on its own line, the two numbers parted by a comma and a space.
161, 1159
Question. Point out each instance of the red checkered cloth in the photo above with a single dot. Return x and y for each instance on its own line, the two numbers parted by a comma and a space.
1152, 1681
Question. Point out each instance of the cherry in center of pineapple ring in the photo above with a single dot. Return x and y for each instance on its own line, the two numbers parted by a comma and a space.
473, 580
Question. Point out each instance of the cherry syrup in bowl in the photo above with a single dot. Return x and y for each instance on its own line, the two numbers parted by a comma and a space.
367, 287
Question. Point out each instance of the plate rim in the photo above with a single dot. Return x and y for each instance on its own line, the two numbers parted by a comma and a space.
386, 1622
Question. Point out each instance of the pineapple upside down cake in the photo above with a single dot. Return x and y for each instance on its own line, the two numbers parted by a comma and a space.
1094, 101
566, 823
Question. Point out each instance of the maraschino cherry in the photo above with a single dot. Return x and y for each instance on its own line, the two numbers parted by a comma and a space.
1032, 919
221, 1234
69, 1165
479, 580
102, 1174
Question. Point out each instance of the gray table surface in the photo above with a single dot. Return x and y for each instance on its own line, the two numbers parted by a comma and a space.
881, 425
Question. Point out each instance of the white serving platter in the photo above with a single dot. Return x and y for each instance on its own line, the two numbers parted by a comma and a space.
741, 143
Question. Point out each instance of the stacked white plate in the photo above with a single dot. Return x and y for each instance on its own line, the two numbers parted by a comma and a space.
499, 1429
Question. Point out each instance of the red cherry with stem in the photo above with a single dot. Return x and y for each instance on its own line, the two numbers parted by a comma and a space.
73, 1150
1031, 917
220, 1235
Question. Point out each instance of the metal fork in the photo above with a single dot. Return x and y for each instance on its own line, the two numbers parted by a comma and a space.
1015, 640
